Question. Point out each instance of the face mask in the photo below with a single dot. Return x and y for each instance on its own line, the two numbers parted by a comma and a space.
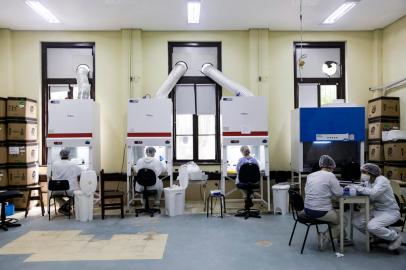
365, 177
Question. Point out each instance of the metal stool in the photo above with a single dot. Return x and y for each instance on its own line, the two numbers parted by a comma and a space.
209, 202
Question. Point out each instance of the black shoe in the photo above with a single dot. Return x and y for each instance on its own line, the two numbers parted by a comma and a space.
63, 211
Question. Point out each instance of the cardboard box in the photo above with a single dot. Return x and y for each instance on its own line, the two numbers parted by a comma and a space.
3, 176
3, 102
384, 106
3, 153
376, 127
22, 130
375, 151
21, 203
395, 171
20, 107
22, 175
22, 153
395, 151
3, 130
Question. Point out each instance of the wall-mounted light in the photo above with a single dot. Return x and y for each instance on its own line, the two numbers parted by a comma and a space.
341, 11
330, 68
41, 10
193, 11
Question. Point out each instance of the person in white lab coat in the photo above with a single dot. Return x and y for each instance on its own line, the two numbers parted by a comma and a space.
321, 187
150, 162
385, 208
65, 169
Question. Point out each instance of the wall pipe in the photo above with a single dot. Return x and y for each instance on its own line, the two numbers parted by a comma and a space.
177, 72
220, 78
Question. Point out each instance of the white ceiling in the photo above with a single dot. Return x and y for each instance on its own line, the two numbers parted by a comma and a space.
215, 14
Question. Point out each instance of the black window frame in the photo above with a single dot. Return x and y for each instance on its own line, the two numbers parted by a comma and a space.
340, 82
45, 82
196, 80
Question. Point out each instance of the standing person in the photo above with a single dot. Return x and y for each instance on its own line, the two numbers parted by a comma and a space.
65, 169
385, 208
321, 187
150, 162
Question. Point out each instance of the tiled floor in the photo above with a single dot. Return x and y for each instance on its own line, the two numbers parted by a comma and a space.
193, 242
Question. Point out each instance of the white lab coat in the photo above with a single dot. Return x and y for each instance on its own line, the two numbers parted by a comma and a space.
153, 164
66, 170
385, 209
320, 187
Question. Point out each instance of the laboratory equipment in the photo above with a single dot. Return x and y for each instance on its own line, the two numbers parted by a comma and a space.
335, 131
244, 122
150, 124
74, 124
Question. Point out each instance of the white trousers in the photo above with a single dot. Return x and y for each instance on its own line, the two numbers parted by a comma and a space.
378, 223
159, 186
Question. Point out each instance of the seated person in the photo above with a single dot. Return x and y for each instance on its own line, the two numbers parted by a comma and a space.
385, 208
321, 187
65, 169
150, 162
246, 158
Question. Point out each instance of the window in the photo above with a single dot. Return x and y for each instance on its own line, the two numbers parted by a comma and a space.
59, 62
196, 103
313, 87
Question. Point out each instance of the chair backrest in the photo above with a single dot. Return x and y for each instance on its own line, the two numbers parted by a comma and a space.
249, 173
145, 177
58, 185
111, 177
296, 200
397, 191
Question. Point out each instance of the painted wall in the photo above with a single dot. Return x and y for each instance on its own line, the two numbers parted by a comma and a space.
394, 61
26, 78
143, 55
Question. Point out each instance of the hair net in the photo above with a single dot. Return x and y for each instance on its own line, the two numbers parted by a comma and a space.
326, 161
150, 151
371, 169
64, 154
245, 150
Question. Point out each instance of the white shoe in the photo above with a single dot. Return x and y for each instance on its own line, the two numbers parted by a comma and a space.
395, 244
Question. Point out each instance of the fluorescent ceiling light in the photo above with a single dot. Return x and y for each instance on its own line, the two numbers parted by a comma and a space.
42, 11
193, 11
339, 12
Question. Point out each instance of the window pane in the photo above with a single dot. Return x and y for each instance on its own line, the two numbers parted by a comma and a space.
185, 99
207, 124
184, 124
184, 147
328, 93
308, 96
58, 91
206, 98
207, 147
314, 59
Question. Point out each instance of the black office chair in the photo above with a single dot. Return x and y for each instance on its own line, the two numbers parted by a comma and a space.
61, 187
297, 206
6, 196
146, 178
249, 177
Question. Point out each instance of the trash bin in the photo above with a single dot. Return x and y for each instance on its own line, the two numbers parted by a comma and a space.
174, 200
84, 196
280, 198
9, 209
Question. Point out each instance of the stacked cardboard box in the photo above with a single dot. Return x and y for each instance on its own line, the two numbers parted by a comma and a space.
384, 115
22, 144
3, 145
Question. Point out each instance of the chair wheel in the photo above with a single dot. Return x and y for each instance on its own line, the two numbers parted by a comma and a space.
396, 252
136, 214
151, 215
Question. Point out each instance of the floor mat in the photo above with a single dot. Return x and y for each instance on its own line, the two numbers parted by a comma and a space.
72, 246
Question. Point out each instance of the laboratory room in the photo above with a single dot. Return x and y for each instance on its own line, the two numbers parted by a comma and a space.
203, 134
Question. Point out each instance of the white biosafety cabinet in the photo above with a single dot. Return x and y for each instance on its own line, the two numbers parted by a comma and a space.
149, 124
74, 124
244, 121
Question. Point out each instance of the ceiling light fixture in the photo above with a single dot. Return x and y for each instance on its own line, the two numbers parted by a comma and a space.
340, 12
193, 11
42, 11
